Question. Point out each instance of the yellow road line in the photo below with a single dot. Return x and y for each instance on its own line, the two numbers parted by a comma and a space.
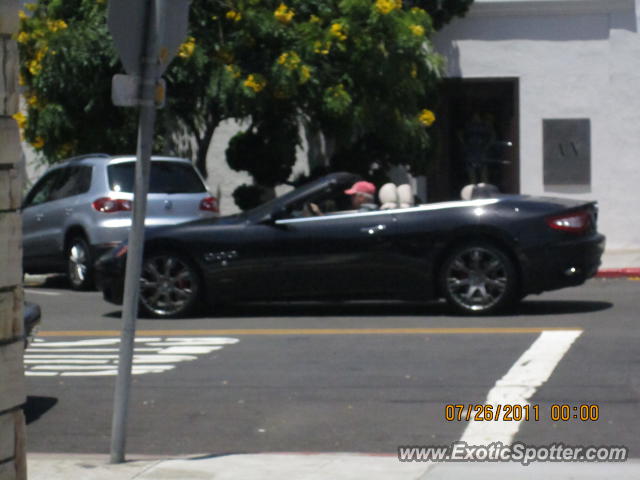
308, 331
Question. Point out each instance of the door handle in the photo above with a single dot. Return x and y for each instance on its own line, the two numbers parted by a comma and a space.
39, 217
68, 211
373, 229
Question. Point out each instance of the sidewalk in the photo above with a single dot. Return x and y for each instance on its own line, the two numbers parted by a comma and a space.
620, 263
300, 466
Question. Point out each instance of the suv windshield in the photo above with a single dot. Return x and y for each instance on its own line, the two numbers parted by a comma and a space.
166, 177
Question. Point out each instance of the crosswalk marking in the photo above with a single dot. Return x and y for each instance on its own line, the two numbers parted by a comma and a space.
99, 357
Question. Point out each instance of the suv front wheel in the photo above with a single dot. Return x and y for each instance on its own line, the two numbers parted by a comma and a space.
79, 264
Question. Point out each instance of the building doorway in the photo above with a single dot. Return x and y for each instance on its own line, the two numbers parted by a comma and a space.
477, 137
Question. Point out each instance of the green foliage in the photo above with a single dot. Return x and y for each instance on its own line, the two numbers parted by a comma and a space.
361, 73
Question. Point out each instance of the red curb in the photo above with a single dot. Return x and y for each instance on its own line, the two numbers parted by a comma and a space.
618, 272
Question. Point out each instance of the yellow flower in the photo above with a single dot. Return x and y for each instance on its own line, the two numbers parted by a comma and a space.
322, 48
20, 119
305, 74
56, 25
426, 117
255, 83
289, 60
31, 6
21, 80
417, 30
38, 143
34, 67
337, 30
22, 15
187, 48
387, 6
23, 37
234, 15
284, 14
314, 19
32, 101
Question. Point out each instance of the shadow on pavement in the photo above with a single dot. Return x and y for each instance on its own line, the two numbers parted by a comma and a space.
35, 407
382, 309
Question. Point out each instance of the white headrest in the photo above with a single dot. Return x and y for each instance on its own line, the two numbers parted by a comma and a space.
467, 192
405, 196
388, 196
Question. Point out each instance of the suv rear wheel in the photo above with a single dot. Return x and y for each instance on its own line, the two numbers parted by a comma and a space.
79, 264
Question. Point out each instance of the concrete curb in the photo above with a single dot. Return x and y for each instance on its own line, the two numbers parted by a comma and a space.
618, 272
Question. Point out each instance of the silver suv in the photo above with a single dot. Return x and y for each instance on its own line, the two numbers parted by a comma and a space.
82, 207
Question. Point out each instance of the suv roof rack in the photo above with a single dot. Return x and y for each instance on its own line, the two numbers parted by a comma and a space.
88, 155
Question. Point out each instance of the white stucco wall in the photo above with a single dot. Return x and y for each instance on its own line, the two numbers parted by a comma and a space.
573, 59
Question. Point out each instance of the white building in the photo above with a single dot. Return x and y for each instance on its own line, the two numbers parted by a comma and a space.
531, 62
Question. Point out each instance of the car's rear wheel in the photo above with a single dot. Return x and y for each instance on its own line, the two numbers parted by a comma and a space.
479, 279
169, 285
79, 264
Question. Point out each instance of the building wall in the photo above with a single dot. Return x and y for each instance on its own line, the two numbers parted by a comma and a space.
12, 390
573, 59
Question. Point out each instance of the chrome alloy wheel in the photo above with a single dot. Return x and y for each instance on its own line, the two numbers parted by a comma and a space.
477, 278
168, 285
79, 264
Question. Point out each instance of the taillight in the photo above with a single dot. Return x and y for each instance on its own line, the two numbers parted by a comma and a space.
209, 204
111, 205
576, 222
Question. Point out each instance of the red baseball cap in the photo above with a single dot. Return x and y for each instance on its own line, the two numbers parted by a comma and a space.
362, 187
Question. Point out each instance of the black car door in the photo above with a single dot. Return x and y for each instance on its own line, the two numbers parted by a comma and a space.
339, 255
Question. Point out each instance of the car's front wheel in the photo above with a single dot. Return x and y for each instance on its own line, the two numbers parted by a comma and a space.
79, 264
479, 279
169, 285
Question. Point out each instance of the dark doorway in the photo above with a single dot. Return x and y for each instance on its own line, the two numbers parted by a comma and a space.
477, 137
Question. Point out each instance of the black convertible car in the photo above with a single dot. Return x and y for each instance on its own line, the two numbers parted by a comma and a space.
482, 255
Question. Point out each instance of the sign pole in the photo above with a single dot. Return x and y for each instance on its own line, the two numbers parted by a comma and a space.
136, 235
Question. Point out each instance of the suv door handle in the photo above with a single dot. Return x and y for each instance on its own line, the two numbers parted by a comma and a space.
373, 229
39, 217
68, 211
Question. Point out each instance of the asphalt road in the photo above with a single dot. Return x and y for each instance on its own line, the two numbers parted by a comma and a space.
355, 377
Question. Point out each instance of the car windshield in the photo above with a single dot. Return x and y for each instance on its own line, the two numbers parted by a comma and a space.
166, 177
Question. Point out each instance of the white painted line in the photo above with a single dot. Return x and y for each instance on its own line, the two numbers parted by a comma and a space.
57, 350
98, 357
531, 370
88, 357
42, 292
65, 361
189, 350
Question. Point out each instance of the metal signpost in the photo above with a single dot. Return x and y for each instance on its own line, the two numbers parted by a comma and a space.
147, 34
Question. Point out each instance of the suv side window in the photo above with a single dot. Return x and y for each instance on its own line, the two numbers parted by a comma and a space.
72, 181
43, 190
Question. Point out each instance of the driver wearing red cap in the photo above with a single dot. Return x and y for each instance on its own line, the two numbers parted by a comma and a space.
363, 196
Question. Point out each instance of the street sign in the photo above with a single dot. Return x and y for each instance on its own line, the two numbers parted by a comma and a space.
125, 91
127, 20
172, 22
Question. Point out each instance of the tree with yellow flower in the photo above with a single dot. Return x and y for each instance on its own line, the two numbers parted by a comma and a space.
359, 73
